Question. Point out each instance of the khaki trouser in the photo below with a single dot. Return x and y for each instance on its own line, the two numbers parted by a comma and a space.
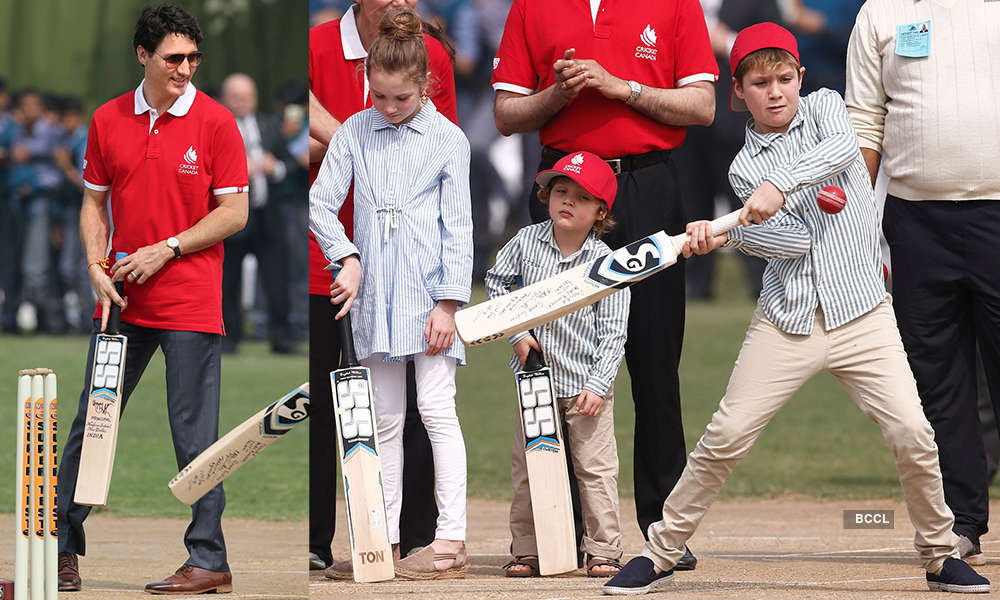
866, 356
595, 463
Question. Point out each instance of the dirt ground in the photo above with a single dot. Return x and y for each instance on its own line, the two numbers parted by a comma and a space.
785, 548
268, 560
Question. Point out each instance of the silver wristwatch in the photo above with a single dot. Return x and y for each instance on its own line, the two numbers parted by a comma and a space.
636, 88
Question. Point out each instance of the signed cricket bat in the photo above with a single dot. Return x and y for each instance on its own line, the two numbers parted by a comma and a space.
360, 462
549, 299
100, 429
548, 476
236, 448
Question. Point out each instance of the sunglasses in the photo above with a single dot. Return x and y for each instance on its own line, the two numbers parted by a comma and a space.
174, 60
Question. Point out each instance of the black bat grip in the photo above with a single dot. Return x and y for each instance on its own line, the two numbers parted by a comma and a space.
348, 356
535, 361
115, 315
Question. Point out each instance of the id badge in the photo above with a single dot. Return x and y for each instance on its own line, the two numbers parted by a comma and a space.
914, 40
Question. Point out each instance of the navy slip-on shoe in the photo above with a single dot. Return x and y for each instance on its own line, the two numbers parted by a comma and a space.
637, 577
957, 577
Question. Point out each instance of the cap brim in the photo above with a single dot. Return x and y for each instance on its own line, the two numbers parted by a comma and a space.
543, 179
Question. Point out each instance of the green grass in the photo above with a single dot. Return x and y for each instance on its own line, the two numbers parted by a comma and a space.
820, 445
272, 486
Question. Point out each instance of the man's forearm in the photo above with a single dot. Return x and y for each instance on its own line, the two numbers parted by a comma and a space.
317, 150
224, 220
95, 227
517, 113
872, 160
322, 125
693, 104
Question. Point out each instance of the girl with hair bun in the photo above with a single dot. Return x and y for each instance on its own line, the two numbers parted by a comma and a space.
407, 271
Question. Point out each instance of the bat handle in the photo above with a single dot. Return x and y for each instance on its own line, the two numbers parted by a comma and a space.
115, 315
348, 357
534, 361
726, 222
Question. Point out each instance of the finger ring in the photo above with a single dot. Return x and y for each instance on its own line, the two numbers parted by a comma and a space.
564, 86
132, 275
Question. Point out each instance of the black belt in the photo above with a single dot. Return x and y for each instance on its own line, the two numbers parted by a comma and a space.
622, 164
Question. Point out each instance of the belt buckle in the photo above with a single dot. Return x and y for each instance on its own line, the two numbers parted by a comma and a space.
615, 164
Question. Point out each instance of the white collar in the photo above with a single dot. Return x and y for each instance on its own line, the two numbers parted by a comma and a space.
179, 108
350, 39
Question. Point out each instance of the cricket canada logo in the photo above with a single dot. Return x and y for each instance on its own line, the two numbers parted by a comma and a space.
575, 164
624, 266
190, 164
647, 49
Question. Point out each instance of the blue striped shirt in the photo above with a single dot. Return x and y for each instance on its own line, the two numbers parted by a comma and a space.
583, 348
814, 259
412, 224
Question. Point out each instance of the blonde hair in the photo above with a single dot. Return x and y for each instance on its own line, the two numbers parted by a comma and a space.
399, 46
601, 226
765, 59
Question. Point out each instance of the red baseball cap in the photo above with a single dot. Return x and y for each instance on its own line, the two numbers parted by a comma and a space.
589, 170
754, 38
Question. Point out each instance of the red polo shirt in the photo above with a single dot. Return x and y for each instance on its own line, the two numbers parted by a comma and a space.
162, 181
662, 43
337, 78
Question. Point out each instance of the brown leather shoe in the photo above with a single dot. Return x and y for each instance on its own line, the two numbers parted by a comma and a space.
69, 572
193, 580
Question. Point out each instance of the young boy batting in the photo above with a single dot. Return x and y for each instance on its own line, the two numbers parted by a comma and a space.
583, 349
823, 307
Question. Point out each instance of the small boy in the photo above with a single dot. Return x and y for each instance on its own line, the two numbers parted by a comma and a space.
583, 349
823, 307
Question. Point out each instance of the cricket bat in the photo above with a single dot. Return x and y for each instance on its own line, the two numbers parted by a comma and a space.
360, 463
551, 298
100, 429
548, 476
236, 448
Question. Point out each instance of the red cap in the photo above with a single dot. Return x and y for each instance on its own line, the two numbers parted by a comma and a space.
754, 38
589, 170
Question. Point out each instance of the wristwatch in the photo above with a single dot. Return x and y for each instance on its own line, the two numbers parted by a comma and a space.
175, 245
636, 88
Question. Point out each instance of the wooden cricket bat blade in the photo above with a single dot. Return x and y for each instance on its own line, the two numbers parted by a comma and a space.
549, 299
548, 475
100, 429
361, 464
236, 448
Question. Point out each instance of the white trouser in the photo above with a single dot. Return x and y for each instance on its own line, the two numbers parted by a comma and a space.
435, 376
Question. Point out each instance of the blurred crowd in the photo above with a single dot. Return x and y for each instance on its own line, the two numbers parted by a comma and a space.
44, 286
502, 167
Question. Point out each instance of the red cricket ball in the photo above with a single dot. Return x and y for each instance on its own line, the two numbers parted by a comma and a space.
831, 199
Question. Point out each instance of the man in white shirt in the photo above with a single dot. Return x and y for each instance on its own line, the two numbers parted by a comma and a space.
922, 94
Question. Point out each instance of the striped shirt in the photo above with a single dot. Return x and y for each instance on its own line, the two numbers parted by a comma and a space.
583, 348
815, 259
412, 224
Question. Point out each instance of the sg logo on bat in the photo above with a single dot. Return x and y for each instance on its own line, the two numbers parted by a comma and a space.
625, 265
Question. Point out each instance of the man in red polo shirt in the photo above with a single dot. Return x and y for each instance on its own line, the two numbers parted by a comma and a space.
338, 89
621, 79
173, 162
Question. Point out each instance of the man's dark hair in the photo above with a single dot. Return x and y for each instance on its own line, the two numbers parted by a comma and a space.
160, 20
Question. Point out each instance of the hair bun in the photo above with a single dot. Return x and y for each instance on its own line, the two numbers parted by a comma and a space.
401, 23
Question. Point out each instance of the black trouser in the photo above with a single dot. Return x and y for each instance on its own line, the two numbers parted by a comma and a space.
193, 363
264, 237
946, 294
418, 515
648, 201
